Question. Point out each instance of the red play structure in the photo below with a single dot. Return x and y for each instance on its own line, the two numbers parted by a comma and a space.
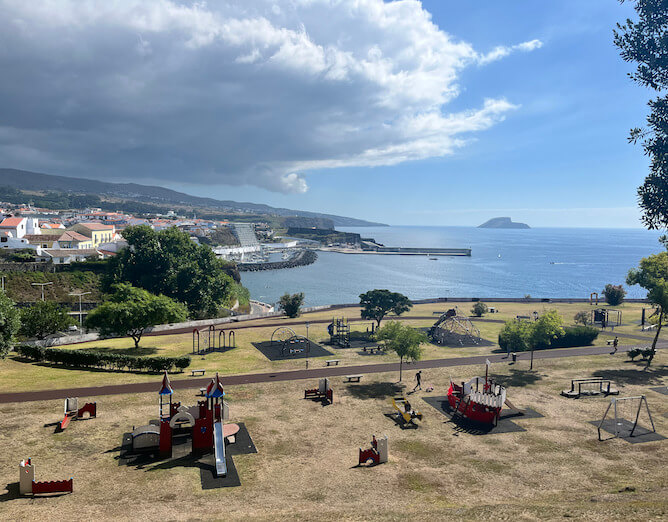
27, 484
73, 412
377, 453
479, 400
323, 392
205, 421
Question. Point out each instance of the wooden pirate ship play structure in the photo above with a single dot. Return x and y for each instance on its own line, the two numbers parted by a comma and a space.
478, 400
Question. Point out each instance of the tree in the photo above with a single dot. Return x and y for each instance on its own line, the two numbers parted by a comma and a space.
10, 323
652, 275
168, 262
377, 303
644, 43
614, 294
44, 318
291, 304
583, 317
545, 329
403, 340
514, 336
130, 310
479, 309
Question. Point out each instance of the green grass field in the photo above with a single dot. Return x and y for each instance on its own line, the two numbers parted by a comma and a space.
19, 375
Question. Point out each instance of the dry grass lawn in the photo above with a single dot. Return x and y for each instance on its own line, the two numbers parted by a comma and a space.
304, 468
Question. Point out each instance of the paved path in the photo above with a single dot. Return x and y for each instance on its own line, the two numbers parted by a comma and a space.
293, 375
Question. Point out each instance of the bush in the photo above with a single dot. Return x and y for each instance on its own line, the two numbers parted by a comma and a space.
575, 336
647, 353
583, 318
291, 304
109, 361
633, 353
614, 294
479, 309
515, 337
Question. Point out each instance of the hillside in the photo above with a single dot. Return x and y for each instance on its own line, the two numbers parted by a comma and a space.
503, 222
33, 181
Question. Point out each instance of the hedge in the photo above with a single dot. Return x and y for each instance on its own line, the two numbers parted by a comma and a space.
110, 361
573, 336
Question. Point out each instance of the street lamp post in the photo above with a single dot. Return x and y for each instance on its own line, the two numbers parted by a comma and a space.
79, 294
309, 345
42, 285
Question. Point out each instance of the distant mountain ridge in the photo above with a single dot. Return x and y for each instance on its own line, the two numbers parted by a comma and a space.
503, 222
26, 180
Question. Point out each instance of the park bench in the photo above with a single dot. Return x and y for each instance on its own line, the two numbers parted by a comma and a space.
334, 362
353, 378
195, 372
202, 391
610, 341
372, 349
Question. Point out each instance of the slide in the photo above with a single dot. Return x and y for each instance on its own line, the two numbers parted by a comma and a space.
219, 449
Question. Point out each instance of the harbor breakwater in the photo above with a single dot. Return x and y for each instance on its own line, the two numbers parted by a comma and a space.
302, 258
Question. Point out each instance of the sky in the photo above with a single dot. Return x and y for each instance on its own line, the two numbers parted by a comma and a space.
437, 112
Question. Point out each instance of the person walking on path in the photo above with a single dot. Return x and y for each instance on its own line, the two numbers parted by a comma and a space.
418, 378
614, 345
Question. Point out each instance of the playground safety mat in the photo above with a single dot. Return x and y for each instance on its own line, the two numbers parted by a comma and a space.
272, 351
505, 424
182, 455
624, 428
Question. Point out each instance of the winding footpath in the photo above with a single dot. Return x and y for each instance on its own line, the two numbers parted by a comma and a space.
294, 375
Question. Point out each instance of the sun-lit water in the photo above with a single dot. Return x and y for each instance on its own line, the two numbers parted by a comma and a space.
542, 262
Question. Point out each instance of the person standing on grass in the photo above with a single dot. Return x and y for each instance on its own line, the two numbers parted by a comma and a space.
418, 378
614, 344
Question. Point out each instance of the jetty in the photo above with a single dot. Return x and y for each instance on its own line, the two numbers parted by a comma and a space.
400, 251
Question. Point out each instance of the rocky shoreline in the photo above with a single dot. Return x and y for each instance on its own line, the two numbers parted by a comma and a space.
303, 258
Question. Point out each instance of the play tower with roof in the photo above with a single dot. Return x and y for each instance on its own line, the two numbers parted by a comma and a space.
205, 420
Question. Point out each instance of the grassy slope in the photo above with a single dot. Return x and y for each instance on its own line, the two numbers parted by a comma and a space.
19, 288
304, 468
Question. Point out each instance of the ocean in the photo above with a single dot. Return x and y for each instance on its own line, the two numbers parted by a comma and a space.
541, 262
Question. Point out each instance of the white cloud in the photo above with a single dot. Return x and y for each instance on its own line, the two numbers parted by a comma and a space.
502, 51
235, 92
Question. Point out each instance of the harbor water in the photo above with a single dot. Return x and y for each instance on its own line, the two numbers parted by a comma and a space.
541, 262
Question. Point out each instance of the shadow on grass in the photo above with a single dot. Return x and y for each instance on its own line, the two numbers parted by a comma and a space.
517, 378
637, 375
376, 390
12, 492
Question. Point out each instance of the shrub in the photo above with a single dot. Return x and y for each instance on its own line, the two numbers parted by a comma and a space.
633, 353
92, 359
479, 309
575, 336
515, 336
583, 318
291, 304
614, 294
647, 353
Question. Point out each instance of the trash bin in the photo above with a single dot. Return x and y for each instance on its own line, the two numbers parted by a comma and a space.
514, 356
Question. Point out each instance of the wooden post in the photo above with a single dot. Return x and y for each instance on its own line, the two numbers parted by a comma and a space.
531, 366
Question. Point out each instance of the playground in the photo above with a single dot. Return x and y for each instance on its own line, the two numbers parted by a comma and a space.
240, 354
307, 460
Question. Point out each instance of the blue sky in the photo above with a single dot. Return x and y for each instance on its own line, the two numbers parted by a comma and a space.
359, 108
561, 159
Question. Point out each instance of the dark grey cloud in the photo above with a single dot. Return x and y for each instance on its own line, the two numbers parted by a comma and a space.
238, 92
